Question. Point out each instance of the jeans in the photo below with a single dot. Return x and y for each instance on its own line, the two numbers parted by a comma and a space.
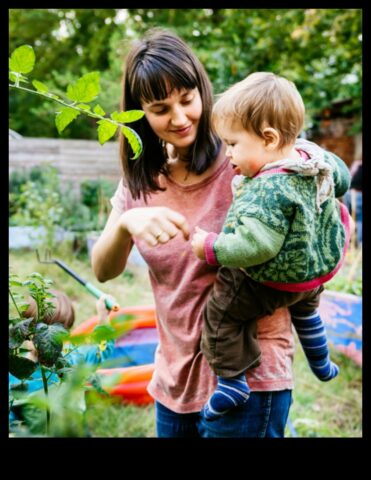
263, 415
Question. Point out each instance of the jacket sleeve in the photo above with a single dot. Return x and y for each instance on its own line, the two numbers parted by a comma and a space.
341, 174
252, 243
91, 354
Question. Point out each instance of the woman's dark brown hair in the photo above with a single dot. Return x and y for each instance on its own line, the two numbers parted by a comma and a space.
159, 60
63, 312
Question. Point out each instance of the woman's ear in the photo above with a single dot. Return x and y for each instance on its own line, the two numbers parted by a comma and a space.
271, 138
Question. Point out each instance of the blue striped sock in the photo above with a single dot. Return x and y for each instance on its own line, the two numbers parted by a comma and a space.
229, 393
312, 335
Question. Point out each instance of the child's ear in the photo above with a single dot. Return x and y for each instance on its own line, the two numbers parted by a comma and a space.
271, 138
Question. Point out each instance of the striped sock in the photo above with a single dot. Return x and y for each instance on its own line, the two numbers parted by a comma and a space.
312, 335
229, 393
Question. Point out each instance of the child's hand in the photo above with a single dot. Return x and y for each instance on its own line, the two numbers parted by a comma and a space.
198, 241
102, 310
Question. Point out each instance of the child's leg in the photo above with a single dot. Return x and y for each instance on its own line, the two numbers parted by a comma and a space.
312, 335
229, 340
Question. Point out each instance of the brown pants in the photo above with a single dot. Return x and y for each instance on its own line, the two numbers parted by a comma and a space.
236, 302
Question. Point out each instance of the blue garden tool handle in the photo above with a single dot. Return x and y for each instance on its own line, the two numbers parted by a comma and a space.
110, 304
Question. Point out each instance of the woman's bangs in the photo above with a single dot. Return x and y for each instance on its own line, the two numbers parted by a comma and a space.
156, 82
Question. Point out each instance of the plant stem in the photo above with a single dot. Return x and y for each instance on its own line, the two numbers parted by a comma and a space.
16, 306
45, 385
58, 100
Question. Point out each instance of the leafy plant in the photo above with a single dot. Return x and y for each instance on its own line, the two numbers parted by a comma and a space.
53, 345
76, 101
47, 339
95, 194
39, 204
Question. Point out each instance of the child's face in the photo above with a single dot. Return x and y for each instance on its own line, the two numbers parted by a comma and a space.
245, 150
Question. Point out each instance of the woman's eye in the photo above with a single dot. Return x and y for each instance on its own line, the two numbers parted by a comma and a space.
187, 101
160, 112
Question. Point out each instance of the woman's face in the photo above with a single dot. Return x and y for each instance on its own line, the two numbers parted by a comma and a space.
175, 119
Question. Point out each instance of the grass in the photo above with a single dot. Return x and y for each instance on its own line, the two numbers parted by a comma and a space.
332, 409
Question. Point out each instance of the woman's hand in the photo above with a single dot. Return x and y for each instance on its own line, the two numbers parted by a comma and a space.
154, 224
198, 242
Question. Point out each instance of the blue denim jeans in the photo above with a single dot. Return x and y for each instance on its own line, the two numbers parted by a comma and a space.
263, 415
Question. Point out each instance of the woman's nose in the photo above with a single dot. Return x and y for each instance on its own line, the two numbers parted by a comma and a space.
178, 117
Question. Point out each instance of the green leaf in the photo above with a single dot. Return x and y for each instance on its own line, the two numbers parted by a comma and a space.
83, 106
106, 130
127, 117
36, 275
22, 59
48, 341
103, 332
40, 87
134, 141
65, 117
20, 332
13, 76
15, 338
99, 110
21, 367
85, 89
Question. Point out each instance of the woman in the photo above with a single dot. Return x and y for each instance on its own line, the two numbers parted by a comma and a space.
183, 179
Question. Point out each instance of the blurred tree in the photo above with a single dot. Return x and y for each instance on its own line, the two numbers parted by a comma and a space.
319, 49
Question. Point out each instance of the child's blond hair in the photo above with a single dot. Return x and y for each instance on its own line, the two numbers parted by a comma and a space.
262, 100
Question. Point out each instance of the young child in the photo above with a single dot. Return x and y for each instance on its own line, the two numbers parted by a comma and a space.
285, 234
63, 312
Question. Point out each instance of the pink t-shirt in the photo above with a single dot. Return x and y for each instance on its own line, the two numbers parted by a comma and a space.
183, 380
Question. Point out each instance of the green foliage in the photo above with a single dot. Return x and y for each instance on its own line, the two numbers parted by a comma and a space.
319, 49
349, 278
95, 195
48, 340
36, 198
17, 179
39, 204
81, 92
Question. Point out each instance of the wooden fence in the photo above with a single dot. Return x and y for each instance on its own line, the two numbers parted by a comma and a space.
76, 160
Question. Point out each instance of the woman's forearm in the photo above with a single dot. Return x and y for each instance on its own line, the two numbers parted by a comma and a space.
110, 252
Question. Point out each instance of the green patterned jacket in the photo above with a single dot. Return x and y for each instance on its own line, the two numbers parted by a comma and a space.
274, 231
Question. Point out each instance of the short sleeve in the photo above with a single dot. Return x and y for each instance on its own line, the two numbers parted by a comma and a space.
120, 198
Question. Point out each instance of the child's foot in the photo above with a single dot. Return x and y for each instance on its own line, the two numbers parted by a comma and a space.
229, 393
324, 370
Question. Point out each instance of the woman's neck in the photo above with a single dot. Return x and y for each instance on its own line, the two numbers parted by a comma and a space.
178, 167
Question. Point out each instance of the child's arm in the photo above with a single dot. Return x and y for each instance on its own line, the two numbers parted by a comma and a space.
341, 174
252, 243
